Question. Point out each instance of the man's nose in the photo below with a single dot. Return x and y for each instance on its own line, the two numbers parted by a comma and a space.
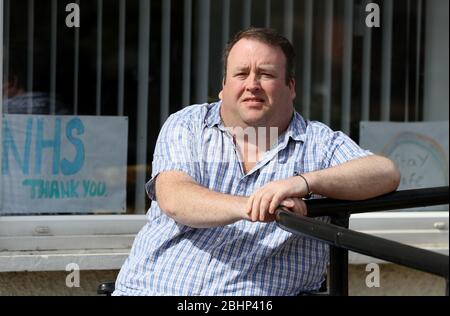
253, 83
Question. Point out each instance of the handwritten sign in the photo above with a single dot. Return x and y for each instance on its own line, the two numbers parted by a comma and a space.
419, 149
63, 164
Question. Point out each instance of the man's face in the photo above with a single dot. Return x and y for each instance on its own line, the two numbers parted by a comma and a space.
255, 92
11, 89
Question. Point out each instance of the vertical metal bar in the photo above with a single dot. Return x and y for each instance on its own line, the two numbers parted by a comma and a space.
165, 62
328, 61
142, 112
187, 42
225, 22
201, 94
54, 33
288, 19
5, 58
418, 58
347, 66
1, 95
339, 263
307, 59
98, 103
247, 16
76, 67
30, 54
225, 25
446, 286
407, 60
386, 56
268, 11
366, 70
121, 58
1, 76
338, 272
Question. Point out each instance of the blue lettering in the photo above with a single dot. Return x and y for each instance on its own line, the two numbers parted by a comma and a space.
91, 188
65, 192
72, 167
86, 187
73, 188
34, 184
54, 191
101, 188
50, 143
43, 190
8, 142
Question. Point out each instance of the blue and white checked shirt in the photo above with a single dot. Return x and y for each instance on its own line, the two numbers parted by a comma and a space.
244, 258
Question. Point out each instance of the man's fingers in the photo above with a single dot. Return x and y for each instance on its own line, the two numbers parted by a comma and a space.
275, 203
300, 207
288, 203
249, 205
255, 207
296, 205
264, 207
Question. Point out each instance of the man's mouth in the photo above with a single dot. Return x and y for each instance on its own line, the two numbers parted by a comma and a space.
253, 99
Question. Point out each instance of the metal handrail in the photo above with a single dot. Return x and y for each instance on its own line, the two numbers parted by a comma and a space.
366, 244
394, 200
345, 239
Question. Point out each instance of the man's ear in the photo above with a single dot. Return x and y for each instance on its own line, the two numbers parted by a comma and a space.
221, 91
291, 85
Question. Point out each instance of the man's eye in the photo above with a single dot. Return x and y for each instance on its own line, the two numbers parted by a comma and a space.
241, 75
267, 75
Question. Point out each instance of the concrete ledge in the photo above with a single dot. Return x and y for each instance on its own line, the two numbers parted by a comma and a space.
92, 259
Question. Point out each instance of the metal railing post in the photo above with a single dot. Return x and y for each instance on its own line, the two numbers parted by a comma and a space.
338, 277
446, 286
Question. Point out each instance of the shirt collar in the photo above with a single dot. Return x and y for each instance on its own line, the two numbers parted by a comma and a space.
296, 129
213, 116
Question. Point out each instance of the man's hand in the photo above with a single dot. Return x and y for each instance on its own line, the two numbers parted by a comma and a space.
296, 205
262, 204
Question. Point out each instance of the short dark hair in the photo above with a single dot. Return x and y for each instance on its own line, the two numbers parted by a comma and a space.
17, 72
267, 36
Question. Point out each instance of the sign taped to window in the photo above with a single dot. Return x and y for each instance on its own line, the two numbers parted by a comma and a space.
419, 149
63, 164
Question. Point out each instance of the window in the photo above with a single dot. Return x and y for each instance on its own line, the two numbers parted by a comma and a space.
79, 135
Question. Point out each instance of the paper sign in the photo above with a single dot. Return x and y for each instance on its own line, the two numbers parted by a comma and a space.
63, 164
419, 149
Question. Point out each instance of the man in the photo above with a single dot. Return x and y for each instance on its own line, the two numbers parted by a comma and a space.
17, 99
216, 185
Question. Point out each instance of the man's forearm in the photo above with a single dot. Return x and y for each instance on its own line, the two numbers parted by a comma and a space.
193, 205
357, 179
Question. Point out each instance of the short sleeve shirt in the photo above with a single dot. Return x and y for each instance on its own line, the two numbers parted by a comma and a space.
243, 258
